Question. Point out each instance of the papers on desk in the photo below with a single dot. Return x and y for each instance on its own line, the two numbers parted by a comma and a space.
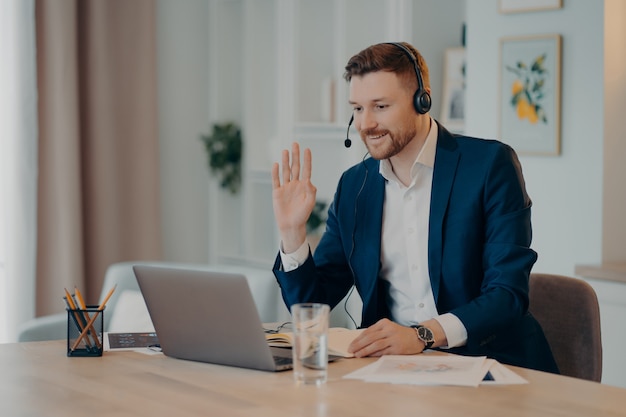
437, 370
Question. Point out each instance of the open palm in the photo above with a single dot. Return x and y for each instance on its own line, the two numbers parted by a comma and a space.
293, 196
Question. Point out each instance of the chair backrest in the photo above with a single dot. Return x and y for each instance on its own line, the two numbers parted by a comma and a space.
568, 311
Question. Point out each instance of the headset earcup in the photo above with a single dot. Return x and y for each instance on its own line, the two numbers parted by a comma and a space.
422, 101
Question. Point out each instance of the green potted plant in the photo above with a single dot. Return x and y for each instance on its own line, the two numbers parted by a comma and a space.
317, 218
224, 151
315, 224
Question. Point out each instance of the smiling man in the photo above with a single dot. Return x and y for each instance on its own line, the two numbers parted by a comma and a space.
433, 229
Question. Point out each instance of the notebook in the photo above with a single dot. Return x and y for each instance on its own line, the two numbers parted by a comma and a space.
208, 317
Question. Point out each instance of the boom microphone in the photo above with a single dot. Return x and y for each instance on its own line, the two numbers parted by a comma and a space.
347, 143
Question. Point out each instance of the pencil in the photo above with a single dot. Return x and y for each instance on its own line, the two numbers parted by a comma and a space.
106, 299
93, 319
75, 318
80, 321
83, 306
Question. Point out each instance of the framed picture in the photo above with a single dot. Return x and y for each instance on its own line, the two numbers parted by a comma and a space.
530, 94
453, 100
517, 6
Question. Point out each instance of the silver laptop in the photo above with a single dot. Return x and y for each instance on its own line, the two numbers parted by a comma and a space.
208, 317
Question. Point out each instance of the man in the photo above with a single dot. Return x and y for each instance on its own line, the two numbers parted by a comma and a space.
433, 230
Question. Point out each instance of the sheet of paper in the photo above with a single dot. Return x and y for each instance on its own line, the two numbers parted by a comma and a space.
437, 370
428, 370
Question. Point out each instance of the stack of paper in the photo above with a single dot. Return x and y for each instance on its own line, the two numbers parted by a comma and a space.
437, 370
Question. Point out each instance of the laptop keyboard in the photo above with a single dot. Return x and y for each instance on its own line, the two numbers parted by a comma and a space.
282, 360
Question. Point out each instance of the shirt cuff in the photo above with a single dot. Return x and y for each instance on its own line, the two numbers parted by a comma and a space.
293, 260
455, 331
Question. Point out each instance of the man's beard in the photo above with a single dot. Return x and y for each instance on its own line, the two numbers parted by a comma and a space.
394, 145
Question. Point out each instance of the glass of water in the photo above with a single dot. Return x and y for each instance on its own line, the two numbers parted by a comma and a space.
310, 344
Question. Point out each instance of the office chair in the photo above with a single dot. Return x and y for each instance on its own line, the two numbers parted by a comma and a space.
567, 309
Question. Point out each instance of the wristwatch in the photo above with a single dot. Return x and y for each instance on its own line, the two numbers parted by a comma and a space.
425, 335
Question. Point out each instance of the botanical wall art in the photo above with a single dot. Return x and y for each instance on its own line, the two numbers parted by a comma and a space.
530, 93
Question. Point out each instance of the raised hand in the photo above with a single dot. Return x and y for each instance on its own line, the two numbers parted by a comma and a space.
294, 198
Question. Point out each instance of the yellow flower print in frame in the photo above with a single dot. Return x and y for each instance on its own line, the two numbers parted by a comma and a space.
527, 90
530, 92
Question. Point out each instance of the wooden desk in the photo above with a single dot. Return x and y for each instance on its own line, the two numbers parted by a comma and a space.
37, 379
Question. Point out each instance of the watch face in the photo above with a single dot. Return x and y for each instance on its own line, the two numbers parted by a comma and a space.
425, 334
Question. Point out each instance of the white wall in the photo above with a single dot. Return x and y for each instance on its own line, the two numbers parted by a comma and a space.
437, 25
566, 190
188, 39
183, 71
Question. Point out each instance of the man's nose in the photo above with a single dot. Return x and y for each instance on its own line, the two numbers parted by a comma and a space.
368, 121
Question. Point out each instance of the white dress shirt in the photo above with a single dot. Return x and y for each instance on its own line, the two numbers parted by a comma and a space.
404, 246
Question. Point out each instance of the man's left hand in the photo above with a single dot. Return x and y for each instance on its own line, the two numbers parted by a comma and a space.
386, 338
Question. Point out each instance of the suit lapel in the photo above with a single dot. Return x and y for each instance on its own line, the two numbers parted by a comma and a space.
367, 235
446, 163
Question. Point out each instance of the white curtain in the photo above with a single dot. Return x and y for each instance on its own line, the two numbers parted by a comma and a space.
18, 165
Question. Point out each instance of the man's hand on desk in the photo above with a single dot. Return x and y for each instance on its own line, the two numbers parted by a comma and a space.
388, 338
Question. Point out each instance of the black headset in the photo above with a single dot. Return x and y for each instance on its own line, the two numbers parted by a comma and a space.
421, 99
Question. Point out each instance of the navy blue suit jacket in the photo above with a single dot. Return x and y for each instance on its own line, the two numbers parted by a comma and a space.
479, 255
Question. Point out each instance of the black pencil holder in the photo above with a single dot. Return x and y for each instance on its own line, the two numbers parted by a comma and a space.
85, 329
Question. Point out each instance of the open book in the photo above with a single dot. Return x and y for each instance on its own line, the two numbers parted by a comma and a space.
339, 339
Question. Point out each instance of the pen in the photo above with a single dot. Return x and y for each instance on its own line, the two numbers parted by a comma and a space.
93, 319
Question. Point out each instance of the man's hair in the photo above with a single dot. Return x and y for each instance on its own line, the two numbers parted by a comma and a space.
390, 58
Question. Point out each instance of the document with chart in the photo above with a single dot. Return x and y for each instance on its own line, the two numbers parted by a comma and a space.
427, 369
